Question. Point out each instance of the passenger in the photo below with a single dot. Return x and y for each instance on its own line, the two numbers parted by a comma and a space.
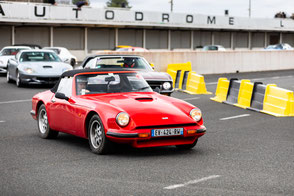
82, 86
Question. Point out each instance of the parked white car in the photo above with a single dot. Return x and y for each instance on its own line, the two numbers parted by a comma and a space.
213, 47
283, 46
8, 52
64, 54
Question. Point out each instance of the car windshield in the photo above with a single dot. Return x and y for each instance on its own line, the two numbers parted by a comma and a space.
39, 56
210, 48
111, 83
123, 62
11, 51
56, 50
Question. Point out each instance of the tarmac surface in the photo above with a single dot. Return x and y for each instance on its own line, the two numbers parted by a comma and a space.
243, 153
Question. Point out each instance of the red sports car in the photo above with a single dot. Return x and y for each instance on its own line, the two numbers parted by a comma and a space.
107, 105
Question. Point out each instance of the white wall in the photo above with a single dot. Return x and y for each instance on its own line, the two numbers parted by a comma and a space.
221, 62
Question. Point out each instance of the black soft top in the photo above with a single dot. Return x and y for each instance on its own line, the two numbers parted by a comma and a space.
72, 73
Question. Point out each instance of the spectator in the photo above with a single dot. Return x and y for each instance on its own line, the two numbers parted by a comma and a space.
80, 4
52, 2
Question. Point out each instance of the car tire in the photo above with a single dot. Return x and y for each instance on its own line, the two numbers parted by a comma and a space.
187, 146
8, 77
45, 131
99, 144
18, 80
73, 62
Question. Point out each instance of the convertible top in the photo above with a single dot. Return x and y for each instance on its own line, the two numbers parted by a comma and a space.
71, 73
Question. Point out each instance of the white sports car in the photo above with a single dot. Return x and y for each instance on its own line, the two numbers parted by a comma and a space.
8, 52
36, 67
64, 54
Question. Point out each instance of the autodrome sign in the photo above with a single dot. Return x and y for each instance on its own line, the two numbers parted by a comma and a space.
67, 14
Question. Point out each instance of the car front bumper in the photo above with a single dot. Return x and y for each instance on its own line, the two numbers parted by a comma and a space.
136, 141
35, 79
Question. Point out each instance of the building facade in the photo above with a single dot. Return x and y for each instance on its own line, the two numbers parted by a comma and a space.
90, 29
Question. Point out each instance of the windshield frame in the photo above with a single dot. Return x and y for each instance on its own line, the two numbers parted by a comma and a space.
146, 64
124, 81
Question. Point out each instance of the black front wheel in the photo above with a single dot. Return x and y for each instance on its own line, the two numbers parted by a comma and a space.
98, 142
187, 146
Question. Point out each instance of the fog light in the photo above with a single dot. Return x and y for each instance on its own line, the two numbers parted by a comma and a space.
191, 131
143, 134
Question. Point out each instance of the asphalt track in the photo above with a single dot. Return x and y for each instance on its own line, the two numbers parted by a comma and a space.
243, 153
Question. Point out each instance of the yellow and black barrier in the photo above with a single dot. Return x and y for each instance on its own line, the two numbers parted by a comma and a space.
268, 99
186, 80
177, 71
221, 90
278, 102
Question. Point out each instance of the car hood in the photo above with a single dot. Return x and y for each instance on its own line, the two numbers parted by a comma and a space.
48, 68
152, 75
147, 109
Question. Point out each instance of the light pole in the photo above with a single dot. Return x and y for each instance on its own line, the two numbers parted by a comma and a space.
171, 5
249, 9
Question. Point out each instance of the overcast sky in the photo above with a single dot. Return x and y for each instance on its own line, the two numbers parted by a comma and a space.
259, 8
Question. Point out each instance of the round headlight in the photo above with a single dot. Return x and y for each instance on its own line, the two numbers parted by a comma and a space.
196, 114
166, 85
123, 119
29, 70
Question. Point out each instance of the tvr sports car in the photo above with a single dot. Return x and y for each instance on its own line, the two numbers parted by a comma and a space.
35, 67
106, 106
161, 81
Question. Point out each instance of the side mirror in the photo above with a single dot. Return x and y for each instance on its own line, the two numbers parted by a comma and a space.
61, 96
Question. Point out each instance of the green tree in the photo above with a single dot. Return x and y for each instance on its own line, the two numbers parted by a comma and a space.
118, 3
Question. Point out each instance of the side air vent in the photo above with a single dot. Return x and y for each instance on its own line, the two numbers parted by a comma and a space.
47, 66
144, 99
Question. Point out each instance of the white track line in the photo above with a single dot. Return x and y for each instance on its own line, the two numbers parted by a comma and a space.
191, 98
16, 101
192, 182
2, 121
233, 117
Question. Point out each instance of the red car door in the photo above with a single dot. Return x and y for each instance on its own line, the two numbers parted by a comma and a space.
62, 113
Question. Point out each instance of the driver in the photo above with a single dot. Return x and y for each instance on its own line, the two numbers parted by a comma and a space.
129, 62
82, 86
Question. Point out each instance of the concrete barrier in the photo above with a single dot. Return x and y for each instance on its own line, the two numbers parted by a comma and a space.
177, 72
233, 92
257, 97
278, 101
221, 90
219, 61
194, 83
245, 94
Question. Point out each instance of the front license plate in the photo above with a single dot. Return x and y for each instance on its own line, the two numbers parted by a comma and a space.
166, 132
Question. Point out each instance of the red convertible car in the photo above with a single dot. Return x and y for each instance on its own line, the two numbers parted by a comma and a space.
107, 105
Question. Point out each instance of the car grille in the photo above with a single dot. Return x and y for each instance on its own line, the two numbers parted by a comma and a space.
48, 79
